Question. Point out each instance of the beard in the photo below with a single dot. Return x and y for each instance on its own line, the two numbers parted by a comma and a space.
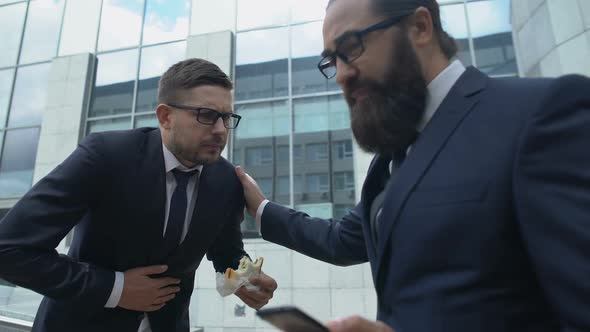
386, 120
191, 154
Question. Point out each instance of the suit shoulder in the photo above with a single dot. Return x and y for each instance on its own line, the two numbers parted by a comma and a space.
118, 140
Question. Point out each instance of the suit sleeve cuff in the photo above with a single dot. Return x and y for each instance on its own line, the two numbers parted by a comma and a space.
117, 291
259, 214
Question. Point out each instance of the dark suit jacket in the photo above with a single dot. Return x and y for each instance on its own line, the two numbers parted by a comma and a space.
113, 188
486, 226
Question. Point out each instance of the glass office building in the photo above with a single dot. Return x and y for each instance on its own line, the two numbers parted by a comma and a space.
72, 67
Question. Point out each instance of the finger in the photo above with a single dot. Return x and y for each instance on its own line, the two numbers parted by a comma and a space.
264, 282
165, 291
241, 174
164, 299
149, 270
164, 282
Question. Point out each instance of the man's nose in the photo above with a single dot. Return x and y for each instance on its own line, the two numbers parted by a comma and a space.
345, 72
219, 127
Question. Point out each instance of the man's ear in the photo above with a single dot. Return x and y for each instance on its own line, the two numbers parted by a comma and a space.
421, 28
164, 114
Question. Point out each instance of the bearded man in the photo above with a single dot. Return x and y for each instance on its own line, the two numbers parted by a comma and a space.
475, 212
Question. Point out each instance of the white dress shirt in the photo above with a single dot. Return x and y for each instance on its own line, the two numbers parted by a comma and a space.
170, 163
437, 90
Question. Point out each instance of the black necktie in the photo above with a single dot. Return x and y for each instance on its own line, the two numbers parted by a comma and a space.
398, 158
178, 205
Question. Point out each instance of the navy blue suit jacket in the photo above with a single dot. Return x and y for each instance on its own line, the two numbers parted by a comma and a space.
113, 189
486, 226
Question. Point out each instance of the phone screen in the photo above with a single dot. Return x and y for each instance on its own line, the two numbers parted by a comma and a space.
291, 319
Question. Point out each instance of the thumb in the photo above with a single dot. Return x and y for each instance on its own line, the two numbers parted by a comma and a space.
240, 173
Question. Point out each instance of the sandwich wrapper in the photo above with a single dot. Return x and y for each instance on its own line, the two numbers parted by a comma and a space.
230, 281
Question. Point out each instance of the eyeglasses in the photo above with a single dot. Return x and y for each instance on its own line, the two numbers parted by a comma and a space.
349, 46
209, 116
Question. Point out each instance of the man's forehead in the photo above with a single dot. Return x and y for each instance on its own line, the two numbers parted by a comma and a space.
346, 15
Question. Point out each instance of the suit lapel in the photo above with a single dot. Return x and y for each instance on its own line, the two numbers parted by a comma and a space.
152, 172
458, 103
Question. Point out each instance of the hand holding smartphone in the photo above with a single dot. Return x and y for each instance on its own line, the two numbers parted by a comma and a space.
291, 319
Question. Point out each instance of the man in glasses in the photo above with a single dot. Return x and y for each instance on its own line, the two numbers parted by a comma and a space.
148, 205
475, 212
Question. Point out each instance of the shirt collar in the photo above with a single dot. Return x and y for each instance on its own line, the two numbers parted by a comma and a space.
171, 162
439, 88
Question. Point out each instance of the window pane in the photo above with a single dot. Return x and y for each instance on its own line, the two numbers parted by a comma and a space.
18, 161
154, 62
120, 24
261, 66
108, 124
343, 181
1, 141
115, 76
492, 36
308, 10
259, 13
306, 46
318, 183
42, 30
165, 21
317, 151
6, 77
259, 156
205, 16
321, 114
12, 18
265, 185
342, 150
263, 120
148, 120
30, 94
284, 187
80, 27
454, 22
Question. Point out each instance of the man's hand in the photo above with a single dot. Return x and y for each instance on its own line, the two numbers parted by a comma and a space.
258, 299
252, 192
357, 324
143, 293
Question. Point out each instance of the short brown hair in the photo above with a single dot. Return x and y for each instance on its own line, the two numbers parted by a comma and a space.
188, 74
395, 7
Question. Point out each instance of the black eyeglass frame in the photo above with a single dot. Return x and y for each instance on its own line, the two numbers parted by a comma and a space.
224, 116
329, 60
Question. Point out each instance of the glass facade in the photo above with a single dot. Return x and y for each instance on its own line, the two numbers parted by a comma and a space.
295, 139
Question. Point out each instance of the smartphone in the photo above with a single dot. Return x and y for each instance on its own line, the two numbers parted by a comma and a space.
291, 319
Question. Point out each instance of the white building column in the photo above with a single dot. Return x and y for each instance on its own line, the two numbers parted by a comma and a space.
70, 84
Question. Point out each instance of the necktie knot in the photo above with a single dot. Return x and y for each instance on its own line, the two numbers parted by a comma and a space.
183, 177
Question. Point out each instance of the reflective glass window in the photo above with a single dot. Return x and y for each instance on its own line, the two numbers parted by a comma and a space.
6, 77
308, 10
320, 114
454, 23
205, 16
344, 180
261, 64
342, 149
30, 95
259, 13
80, 27
42, 30
318, 182
259, 156
283, 185
265, 185
165, 21
12, 18
155, 61
316, 151
115, 79
108, 124
340, 210
492, 36
263, 120
120, 24
306, 47
147, 120
18, 161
